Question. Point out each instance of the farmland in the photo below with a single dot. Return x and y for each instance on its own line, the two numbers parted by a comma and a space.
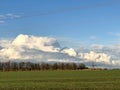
60, 80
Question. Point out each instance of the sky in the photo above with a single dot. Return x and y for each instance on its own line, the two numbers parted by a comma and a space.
73, 23
81, 20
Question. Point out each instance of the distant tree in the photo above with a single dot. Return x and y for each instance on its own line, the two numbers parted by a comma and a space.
55, 66
0, 66
28, 66
74, 66
14, 66
81, 66
22, 66
43, 66
47, 66
62, 66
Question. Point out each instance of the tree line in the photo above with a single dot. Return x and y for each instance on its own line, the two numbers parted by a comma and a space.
28, 66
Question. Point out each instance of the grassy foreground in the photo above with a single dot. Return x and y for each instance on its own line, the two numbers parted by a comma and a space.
60, 80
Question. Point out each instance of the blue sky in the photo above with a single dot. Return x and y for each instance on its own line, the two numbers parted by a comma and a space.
85, 29
77, 21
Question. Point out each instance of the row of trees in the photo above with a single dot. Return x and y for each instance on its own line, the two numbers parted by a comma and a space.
28, 66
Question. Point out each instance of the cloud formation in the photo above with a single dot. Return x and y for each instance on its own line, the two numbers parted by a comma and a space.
46, 49
69, 51
1, 21
97, 57
8, 16
39, 43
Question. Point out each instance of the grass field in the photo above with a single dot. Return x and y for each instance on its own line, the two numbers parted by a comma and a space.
60, 80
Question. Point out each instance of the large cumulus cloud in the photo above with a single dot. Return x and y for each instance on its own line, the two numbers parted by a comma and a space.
97, 57
46, 49
69, 51
40, 43
28, 47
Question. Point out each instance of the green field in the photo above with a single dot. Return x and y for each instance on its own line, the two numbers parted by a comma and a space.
61, 80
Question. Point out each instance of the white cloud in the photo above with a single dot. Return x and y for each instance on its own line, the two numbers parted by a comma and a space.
9, 16
1, 21
10, 53
22, 45
97, 57
12, 16
117, 34
34, 48
69, 51
93, 37
5, 42
39, 43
